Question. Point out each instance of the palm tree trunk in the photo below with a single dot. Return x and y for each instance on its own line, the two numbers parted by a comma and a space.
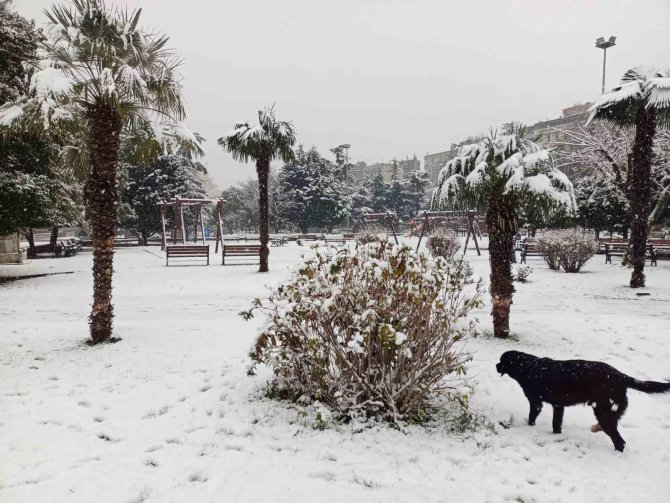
640, 191
263, 171
102, 200
501, 222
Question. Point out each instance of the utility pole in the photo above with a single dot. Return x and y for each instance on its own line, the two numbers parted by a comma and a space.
603, 44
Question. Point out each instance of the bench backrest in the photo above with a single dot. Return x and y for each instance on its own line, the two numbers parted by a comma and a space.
185, 250
241, 249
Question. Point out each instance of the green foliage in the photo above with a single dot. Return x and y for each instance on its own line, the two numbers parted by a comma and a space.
601, 207
504, 166
311, 193
267, 140
324, 342
18, 41
443, 243
34, 189
639, 88
568, 248
168, 177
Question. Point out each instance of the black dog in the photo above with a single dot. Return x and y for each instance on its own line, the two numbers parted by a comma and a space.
562, 383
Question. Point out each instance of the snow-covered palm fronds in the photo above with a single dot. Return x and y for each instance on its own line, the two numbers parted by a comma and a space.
506, 164
95, 55
268, 139
639, 87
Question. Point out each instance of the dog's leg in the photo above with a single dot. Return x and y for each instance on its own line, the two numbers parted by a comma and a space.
535, 409
557, 422
608, 421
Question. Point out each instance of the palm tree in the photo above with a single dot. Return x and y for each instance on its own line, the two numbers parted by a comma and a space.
642, 101
102, 75
502, 174
269, 139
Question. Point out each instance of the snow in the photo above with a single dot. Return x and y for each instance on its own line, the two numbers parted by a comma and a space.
50, 80
659, 92
10, 114
169, 414
541, 184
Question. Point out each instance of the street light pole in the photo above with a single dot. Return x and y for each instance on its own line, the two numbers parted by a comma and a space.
603, 44
346, 148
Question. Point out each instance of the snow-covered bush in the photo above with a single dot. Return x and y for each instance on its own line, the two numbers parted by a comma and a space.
373, 332
443, 243
569, 249
549, 246
523, 272
371, 233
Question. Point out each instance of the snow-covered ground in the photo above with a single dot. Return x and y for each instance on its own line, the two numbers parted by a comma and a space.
169, 414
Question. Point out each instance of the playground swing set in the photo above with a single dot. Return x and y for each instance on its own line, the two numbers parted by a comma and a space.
386, 219
434, 219
179, 230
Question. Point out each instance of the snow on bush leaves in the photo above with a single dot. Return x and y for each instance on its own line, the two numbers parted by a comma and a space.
443, 243
373, 332
569, 249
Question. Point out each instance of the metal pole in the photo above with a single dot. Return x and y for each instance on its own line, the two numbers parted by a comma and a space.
604, 64
346, 181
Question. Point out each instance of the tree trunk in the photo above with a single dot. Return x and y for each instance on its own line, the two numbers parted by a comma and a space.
102, 199
501, 222
53, 239
30, 237
639, 187
263, 171
145, 238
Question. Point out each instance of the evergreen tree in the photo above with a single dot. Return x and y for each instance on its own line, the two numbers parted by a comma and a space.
417, 186
377, 189
397, 197
168, 177
599, 207
312, 193
35, 190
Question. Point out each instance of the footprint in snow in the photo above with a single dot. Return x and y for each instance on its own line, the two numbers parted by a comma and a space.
197, 477
328, 476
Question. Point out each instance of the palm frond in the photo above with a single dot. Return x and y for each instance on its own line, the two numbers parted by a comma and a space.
269, 139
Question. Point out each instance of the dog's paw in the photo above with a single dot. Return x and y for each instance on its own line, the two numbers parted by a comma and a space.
596, 428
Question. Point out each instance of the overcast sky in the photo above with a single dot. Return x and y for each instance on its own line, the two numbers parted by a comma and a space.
393, 77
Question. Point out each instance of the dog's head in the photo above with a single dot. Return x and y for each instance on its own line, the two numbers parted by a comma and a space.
513, 363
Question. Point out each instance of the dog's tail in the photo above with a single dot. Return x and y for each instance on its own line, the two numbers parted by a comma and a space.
648, 386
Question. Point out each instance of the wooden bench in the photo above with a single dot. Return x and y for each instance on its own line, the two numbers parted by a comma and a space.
603, 242
620, 249
56, 249
336, 239
308, 237
529, 248
186, 251
279, 241
660, 250
240, 251
70, 247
